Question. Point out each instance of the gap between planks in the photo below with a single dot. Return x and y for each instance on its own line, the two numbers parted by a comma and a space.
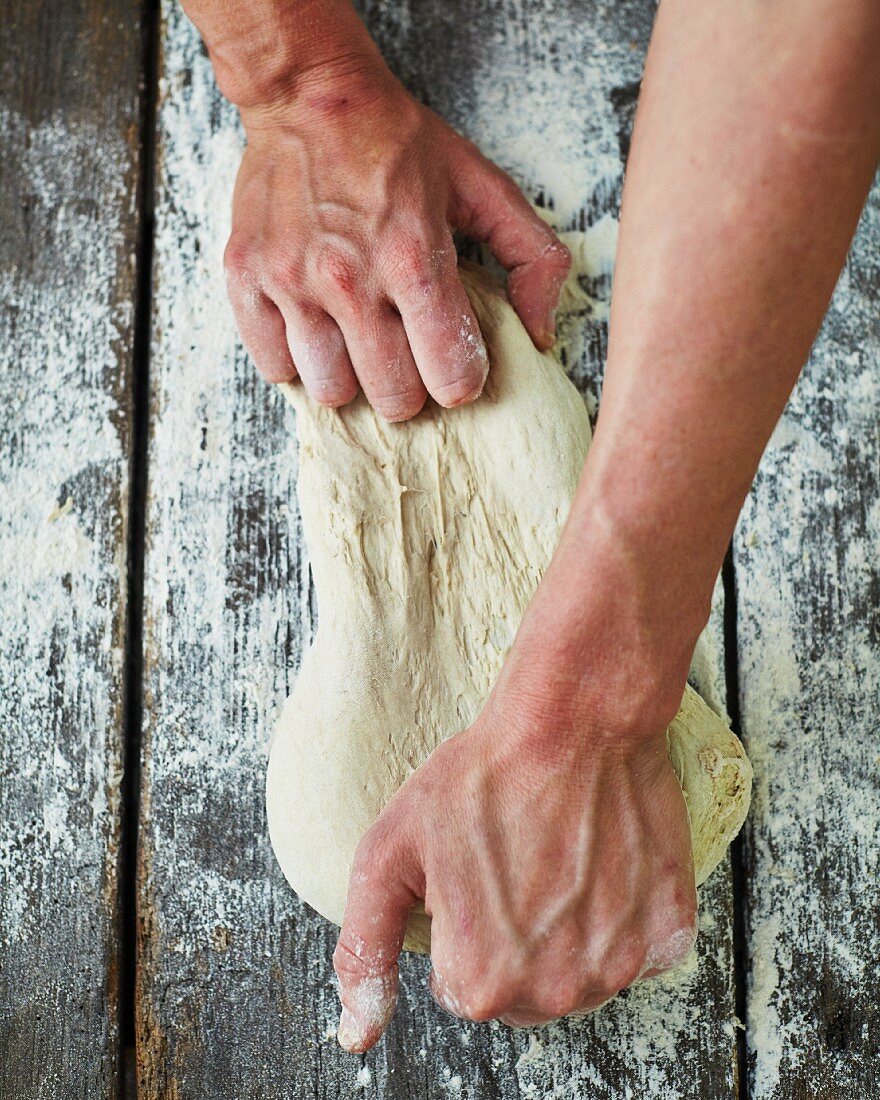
737, 856
134, 653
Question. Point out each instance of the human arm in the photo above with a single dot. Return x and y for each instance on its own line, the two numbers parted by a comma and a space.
549, 840
341, 266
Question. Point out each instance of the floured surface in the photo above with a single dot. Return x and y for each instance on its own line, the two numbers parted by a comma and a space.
218, 1014
807, 550
228, 594
69, 89
236, 994
427, 540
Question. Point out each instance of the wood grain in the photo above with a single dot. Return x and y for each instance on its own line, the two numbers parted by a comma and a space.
69, 89
235, 992
808, 585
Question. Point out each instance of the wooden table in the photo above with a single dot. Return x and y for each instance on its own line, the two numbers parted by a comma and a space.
155, 599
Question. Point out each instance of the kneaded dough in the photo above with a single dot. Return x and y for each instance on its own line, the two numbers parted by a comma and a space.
427, 540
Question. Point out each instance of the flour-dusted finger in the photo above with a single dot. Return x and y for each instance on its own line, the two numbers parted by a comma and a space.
380, 896
317, 346
492, 208
674, 936
474, 975
259, 321
383, 362
443, 333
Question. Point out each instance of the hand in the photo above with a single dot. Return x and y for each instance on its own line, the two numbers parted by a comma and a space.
341, 265
550, 844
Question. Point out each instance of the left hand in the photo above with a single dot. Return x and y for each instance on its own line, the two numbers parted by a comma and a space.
341, 266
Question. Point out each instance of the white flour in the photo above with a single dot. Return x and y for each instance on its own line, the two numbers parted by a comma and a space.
806, 553
58, 592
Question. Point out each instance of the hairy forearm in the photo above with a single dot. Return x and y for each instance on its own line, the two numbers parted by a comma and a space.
757, 135
268, 51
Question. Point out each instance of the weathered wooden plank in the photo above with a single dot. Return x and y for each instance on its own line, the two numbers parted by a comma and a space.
69, 87
221, 1011
808, 585
236, 996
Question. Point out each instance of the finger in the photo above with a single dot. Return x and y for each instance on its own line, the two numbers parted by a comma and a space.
493, 209
581, 1005
317, 346
365, 959
261, 326
465, 980
670, 947
446, 996
382, 360
519, 1018
440, 325
592, 1003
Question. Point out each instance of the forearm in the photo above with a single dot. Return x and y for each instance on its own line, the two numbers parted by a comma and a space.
756, 139
268, 51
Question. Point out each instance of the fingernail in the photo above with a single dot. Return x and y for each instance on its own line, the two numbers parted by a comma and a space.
348, 1033
550, 331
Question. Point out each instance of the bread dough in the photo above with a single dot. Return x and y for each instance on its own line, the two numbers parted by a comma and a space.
427, 540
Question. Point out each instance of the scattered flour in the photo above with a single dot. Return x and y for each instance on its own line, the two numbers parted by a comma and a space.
63, 501
805, 554
534, 1052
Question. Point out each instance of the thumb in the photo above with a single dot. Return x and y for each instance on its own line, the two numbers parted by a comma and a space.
373, 928
492, 208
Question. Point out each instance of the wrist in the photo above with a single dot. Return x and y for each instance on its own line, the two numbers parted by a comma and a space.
267, 56
608, 638
637, 559
349, 100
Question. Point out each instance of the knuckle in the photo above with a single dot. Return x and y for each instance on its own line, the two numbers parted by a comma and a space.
487, 1002
621, 973
414, 273
683, 918
286, 273
674, 940
348, 955
238, 258
558, 256
598, 983
339, 273
590, 1002
682, 938
415, 267
560, 1000
464, 985
603, 989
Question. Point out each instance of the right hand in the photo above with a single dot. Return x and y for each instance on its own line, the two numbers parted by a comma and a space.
549, 843
341, 265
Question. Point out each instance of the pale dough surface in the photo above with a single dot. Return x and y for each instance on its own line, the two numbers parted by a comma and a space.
427, 540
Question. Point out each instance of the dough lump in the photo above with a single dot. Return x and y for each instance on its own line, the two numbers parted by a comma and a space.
427, 540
